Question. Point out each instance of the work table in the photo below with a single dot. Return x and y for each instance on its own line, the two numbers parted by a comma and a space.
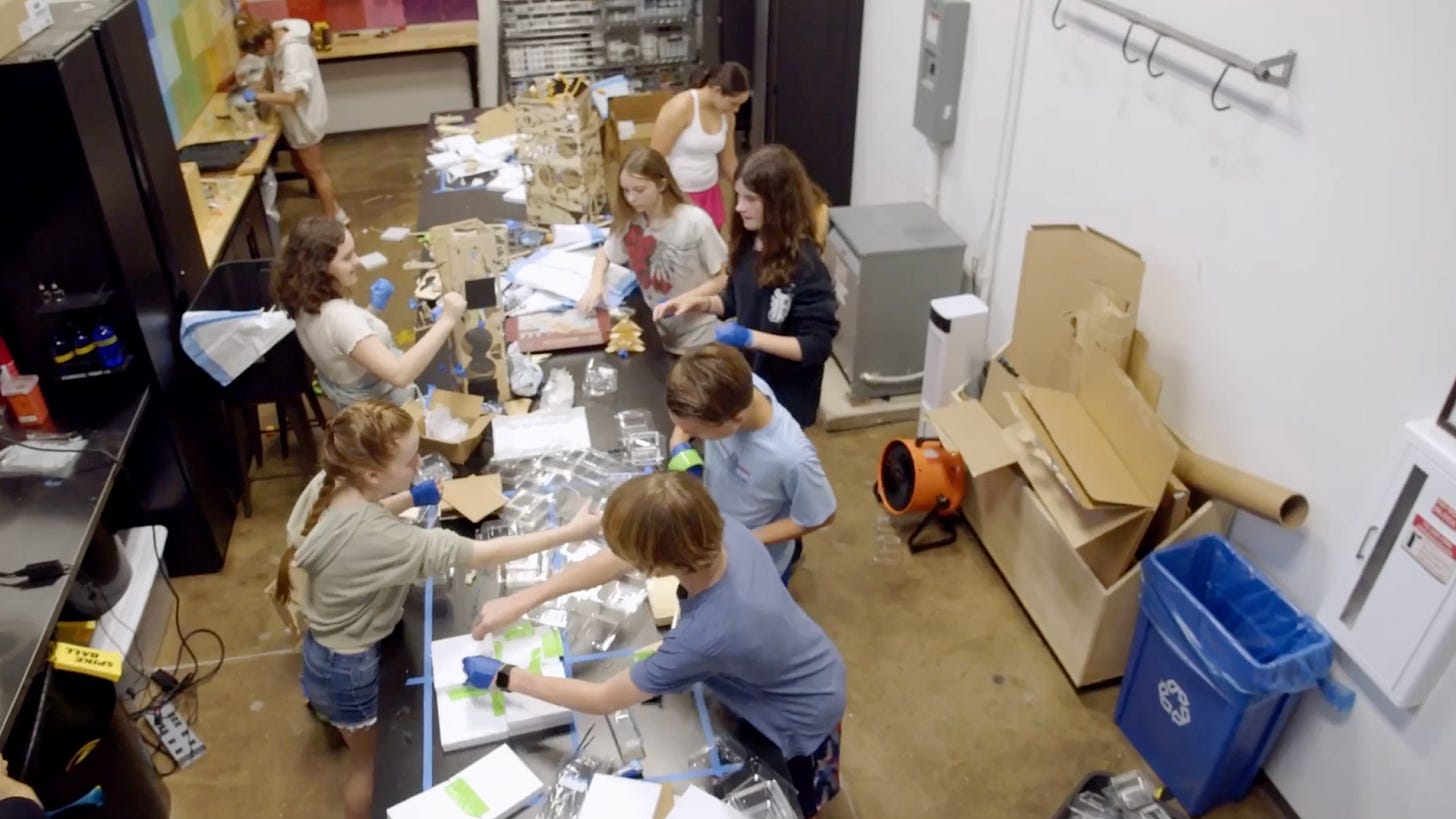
215, 124
53, 519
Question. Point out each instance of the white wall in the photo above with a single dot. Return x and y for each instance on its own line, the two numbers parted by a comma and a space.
391, 92
1300, 288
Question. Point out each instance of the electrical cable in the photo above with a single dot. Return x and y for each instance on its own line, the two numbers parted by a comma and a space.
194, 678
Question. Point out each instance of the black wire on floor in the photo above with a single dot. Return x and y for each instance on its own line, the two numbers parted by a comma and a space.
185, 683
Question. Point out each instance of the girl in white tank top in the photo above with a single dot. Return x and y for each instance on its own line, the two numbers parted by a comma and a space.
694, 131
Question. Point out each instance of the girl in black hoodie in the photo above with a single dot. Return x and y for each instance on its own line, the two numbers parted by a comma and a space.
778, 298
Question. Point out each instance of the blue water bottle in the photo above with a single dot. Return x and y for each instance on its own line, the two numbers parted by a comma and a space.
108, 346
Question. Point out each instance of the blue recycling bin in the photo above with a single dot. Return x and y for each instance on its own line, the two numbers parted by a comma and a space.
1218, 662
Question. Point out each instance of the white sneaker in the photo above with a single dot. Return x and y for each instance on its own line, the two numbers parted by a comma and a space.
340, 216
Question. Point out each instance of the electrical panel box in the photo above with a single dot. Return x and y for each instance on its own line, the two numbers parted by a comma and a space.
1393, 608
942, 58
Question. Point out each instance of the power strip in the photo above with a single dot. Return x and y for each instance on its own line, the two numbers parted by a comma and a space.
175, 735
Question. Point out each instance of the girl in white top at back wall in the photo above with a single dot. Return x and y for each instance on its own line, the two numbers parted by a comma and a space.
695, 130
350, 347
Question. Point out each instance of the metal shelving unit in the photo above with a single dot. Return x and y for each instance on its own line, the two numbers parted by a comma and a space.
649, 40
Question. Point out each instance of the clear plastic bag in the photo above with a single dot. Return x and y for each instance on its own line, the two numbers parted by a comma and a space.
559, 392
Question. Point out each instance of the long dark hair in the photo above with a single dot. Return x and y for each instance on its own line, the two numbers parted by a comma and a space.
775, 174
730, 78
301, 278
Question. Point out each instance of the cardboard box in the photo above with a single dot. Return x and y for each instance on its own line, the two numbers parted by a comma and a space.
638, 109
475, 497
464, 406
1099, 459
21, 20
1070, 276
1002, 377
1087, 623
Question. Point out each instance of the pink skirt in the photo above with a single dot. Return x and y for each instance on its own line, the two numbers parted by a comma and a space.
710, 200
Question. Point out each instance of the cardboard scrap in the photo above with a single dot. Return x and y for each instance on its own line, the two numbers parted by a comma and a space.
475, 497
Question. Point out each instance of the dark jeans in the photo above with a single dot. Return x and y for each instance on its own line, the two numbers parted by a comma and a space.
815, 777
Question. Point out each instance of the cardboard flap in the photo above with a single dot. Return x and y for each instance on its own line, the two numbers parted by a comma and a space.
497, 122
462, 405
1064, 269
637, 107
968, 429
1078, 524
475, 497
1147, 380
1089, 460
1132, 428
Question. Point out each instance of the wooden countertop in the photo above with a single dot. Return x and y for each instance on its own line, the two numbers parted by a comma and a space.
349, 45
229, 194
215, 124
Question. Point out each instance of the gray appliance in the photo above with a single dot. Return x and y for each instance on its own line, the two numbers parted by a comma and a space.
888, 262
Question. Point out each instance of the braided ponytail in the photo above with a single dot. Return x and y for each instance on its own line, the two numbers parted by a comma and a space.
364, 436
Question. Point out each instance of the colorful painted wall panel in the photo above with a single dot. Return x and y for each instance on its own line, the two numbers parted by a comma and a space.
193, 48
352, 15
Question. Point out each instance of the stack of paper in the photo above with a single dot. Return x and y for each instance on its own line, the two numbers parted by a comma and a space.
472, 716
497, 786
568, 274
615, 797
697, 803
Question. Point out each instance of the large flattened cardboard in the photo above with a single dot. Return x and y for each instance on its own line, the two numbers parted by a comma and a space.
1066, 269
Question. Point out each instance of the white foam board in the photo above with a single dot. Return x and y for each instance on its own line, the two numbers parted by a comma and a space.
470, 717
500, 781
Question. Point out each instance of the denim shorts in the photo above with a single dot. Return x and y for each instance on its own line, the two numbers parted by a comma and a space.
342, 688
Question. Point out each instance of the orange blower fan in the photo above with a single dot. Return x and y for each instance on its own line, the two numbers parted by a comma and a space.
920, 475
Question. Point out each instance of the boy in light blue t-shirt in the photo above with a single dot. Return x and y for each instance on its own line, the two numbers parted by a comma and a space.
760, 467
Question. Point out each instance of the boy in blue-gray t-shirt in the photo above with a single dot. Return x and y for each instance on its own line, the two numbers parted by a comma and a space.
740, 634
760, 467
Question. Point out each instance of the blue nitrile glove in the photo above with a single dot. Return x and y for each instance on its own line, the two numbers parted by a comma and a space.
480, 671
683, 458
435, 312
249, 95
379, 293
425, 494
733, 334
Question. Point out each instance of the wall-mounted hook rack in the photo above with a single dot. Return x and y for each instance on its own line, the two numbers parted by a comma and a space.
1274, 71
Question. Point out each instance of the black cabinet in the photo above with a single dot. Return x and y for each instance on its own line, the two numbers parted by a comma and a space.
804, 55
98, 207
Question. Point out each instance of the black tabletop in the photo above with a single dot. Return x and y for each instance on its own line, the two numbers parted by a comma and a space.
674, 728
443, 202
50, 518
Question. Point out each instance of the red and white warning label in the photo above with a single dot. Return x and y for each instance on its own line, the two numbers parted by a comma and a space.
1432, 549
1444, 513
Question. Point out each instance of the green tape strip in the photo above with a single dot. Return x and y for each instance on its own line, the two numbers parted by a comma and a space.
498, 703
642, 655
551, 646
500, 648
535, 664
465, 692
519, 630
685, 460
466, 798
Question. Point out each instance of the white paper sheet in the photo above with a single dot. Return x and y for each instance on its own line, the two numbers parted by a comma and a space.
696, 803
567, 274
394, 234
373, 261
508, 177
444, 159
516, 195
615, 797
500, 780
462, 144
467, 717
539, 433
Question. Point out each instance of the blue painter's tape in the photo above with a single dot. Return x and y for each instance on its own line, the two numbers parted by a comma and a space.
605, 655
427, 714
712, 738
415, 681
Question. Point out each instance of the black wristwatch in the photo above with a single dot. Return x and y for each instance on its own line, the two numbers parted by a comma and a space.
503, 677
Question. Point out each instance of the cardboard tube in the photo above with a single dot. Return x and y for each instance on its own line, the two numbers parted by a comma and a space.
1267, 500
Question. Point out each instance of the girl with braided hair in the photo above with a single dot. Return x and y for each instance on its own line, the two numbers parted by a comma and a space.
359, 557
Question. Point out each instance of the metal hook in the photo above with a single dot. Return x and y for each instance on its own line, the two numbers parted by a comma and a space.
1125, 38
1213, 95
1056, 9
1151, 52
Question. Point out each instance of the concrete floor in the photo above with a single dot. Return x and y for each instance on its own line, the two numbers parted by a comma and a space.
956, 707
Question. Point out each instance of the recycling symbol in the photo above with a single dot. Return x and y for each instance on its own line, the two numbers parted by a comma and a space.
1174, 701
